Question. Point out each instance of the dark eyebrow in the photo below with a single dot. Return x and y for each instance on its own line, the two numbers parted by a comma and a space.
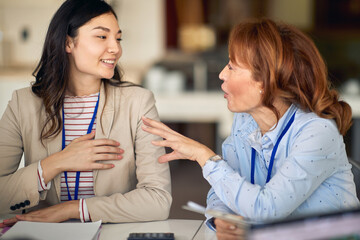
105, 29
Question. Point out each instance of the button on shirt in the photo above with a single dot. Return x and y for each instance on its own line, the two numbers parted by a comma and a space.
311, 172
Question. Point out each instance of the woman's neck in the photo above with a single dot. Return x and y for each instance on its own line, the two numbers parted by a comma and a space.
83, 88
266, 118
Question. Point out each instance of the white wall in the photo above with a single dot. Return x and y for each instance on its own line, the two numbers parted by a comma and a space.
142, 23
143, 26
17, 16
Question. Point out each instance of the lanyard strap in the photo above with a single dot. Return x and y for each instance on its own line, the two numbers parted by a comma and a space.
63, 146
272, 158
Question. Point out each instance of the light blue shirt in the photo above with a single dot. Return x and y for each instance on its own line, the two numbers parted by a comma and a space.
311, 172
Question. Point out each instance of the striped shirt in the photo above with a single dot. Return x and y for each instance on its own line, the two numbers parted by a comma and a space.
78, 112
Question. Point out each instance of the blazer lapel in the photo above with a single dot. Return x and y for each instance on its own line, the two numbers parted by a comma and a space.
105, 115
54, 146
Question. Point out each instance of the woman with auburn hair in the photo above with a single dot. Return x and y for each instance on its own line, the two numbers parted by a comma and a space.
285, 156
79, 128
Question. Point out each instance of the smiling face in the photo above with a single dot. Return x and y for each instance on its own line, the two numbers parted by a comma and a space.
241, 90
96, 49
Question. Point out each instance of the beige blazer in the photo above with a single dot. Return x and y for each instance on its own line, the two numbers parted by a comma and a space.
138, 187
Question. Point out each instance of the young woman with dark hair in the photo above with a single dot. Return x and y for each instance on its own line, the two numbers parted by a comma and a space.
79, 128
285, 155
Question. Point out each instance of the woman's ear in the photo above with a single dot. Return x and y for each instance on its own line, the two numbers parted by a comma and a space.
69, 44
260, 86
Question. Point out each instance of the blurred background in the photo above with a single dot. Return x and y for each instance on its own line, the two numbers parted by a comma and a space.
177, 48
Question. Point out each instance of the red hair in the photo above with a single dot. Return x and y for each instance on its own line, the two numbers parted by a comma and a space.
289, 66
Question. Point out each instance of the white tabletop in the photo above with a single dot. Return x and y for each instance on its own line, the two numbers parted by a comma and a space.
182, 229
205, 233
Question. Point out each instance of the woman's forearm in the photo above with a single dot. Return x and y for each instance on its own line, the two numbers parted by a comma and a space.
51, 167
204, 154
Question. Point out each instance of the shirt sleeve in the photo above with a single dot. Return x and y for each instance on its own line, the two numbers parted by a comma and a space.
213, 202
83, 210
41, 182
312, 157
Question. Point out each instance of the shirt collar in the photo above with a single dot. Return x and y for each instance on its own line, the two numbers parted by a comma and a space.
274, 134
249, 130
246, 126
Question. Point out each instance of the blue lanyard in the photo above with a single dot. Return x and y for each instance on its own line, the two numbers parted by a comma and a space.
272, 158
63, 146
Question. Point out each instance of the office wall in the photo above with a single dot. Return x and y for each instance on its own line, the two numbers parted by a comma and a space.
141, 21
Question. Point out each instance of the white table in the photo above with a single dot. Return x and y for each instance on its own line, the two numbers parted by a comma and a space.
182, 229
205, 233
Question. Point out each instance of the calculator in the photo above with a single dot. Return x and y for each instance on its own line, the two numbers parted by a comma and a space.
146, 236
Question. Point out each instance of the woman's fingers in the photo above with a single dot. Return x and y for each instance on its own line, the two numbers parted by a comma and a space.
56, 213
102, 166
227, 236
227, 230
85, 137
87, 154
89, 139
153, 123
224, 225
158, 125
98, 164
170, 156
8, 222
174, 155
108, 149
184, 148
103, 142
157, 131
107, 157
162, 143
171, 136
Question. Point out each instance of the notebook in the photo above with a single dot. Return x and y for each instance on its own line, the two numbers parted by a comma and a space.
55, 231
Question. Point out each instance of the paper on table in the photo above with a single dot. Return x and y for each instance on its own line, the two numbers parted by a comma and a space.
191, 206
238, 220
56, 231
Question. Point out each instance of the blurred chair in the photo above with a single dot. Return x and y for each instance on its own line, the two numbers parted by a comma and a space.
356, 171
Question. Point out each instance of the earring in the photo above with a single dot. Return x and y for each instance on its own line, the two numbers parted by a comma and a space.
261, 91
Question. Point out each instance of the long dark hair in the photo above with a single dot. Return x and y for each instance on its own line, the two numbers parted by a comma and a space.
52, 72
290, 66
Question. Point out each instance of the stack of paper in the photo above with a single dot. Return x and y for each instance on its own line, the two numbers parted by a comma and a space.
55, 231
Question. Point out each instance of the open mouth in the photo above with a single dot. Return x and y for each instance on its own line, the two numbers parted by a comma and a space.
108, 61
223, 90
225, 93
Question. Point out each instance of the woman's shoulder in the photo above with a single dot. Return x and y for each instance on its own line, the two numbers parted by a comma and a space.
311, 121
308, 117
24, 91
129, 88
25, 103
25, 95
131, 94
